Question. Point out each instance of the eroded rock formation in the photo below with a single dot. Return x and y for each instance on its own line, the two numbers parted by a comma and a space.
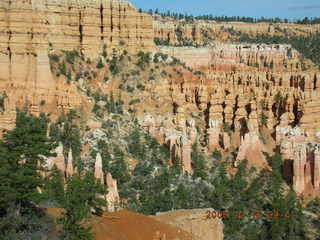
30, 30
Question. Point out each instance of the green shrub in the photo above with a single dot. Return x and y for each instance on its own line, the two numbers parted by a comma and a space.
100, 64
134, 101
71, 56
264, 119
113, 67
54, 57
63, 68
141, 87
227, 128
130, 89
104, 52
216, 154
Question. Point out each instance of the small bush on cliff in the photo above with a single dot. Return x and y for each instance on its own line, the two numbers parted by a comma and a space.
63, 68
100, 64
71, 56
216, 154
3, 96
114, 67
54, 57
143, 59
134, 101
264, 119
104, 51
227, 128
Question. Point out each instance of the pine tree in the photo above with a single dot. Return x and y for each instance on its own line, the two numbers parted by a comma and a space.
221, 195
80, 198
54, 186
21, 158
22, 153
198, 164
295, 219
119, 168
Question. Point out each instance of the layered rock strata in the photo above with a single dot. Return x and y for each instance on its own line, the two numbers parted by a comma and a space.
30, 30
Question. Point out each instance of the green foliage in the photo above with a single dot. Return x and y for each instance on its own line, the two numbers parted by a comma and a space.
96, 109
227, 128
134, 101
278, 98
161, 42
68, 133
264, 119
31, 223
308, 46
54, 57
71, 56
198, 163
314, 206
100, 64
278, 200
130, 89
114, 106
119, 167
114, 66
54, 187
80, 197
216, 154
63, 68
144, 59
22, 153
3, 96
141, 87
184, 41
104, 52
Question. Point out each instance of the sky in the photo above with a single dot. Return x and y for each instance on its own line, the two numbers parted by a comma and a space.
292, 9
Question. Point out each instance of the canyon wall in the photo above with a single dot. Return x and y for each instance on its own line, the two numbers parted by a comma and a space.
227, 57
237, 107
204, 32
30, 30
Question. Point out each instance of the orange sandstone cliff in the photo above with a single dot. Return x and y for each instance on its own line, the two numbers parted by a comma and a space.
30, 30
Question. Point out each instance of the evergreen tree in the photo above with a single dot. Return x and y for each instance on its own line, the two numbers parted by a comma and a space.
21, 158
198, 164
54, 186
295, 219
80, 198
22, 153
221, 195
119, 168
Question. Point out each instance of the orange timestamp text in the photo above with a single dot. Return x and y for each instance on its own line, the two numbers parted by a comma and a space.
257, 214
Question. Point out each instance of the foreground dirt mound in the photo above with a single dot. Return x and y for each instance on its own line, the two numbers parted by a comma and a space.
195, 222
126, 225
